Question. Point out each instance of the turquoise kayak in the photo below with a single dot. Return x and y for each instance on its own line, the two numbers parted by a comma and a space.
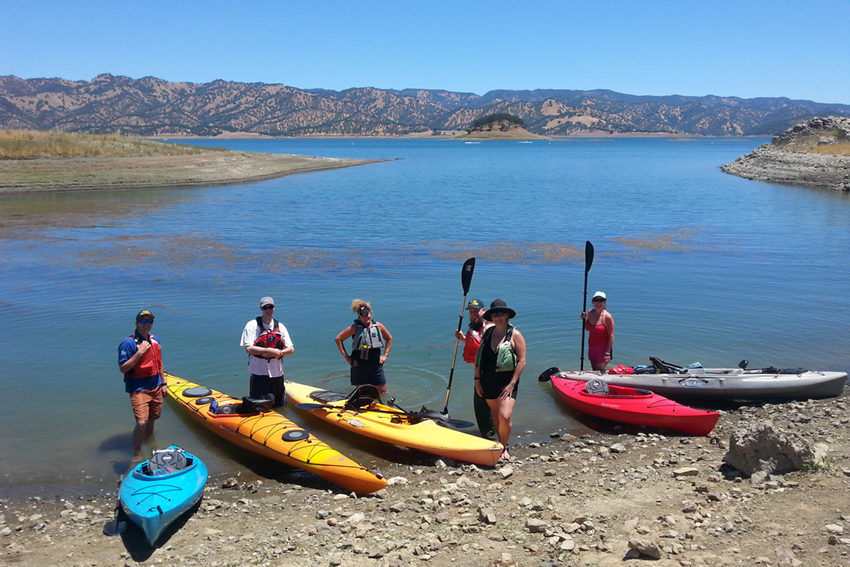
162, 488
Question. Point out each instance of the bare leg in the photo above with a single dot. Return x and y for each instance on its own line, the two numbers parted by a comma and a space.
139, 434
502, 412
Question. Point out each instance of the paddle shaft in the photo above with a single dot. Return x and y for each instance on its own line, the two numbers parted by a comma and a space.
453, 422
465, 280
588, 261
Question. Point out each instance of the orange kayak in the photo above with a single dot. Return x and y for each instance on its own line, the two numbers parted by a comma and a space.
270, 434
393, 425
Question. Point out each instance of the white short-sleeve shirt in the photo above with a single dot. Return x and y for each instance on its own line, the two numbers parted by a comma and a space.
263, 367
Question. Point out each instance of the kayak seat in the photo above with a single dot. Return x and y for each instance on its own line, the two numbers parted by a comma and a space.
662, 367
327, 396
168, 458
363, 396
597, 387
256, 405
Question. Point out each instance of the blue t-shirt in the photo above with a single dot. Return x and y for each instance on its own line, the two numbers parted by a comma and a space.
126, 350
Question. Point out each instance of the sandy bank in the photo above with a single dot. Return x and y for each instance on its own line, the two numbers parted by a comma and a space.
205, 169
576, 502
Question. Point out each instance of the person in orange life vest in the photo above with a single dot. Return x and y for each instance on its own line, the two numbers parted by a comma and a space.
140, 360
471, 341
368, 338
600, 341
266, 341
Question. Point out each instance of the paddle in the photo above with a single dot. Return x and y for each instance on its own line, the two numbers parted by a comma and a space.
465, 280
115, 527
435, 416
588, 261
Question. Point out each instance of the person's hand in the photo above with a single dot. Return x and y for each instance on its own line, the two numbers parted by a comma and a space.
506, 392
583, 315
351, 361
278, 353
459, 335
143, 347
164, 390
382, 359
478, 389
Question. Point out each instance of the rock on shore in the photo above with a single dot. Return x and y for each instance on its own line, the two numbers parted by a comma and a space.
631, 497
788, 159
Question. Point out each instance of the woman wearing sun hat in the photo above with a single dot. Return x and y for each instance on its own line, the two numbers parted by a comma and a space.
600, 325
498, 367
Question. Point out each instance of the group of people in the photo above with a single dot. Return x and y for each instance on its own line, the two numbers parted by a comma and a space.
494, 347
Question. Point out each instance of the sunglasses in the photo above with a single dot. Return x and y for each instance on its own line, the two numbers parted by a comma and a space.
146, 321
267, 307
599, 300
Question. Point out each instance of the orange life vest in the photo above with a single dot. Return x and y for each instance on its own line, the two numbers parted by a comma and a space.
150, 364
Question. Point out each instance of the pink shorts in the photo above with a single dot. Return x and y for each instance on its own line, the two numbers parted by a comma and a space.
147, 404
596, 354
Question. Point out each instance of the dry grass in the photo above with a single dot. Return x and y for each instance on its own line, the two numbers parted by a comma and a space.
832, 149
27, 144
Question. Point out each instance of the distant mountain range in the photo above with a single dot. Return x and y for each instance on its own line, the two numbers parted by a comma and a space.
154, 107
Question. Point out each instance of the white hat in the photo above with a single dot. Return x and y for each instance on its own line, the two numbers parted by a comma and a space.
266, 301
600, 294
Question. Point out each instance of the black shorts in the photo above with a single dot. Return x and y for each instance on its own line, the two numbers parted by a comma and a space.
368, 374
493, 385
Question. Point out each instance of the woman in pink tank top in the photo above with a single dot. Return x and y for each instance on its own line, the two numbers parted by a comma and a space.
600, 324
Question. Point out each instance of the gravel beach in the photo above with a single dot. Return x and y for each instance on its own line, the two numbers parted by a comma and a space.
628, 496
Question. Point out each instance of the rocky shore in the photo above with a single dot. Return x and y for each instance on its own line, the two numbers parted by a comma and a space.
626, 497
790, 160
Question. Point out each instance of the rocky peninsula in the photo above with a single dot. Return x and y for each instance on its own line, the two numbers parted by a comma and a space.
626, 496
814, 154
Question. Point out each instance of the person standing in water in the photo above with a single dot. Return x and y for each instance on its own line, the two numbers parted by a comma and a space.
471, 341
498, 367
368, 338
140, 360
600, 325
266, 341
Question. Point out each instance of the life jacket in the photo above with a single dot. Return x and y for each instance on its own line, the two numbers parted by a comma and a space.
150, 364
473, 341
269, 338
371, 339
505, 355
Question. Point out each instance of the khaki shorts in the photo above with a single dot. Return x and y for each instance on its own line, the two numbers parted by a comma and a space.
147, 404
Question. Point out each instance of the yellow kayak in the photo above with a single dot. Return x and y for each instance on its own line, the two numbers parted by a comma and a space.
268, 433
393, 425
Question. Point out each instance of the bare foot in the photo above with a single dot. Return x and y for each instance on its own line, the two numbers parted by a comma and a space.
505, 456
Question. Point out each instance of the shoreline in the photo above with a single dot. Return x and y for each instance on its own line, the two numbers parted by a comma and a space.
207, 169
588, 501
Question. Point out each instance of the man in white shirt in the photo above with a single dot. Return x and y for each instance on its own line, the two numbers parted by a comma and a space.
266, 341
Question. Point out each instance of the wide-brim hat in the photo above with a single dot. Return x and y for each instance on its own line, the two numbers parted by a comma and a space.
499, 306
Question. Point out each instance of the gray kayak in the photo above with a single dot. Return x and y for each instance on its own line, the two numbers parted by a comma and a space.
726, 383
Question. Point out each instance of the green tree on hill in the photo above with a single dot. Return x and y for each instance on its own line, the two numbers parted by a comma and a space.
490, 119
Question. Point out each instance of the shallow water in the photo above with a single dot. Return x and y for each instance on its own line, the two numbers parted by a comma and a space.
698, 266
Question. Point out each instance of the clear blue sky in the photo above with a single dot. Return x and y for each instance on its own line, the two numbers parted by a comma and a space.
745, 48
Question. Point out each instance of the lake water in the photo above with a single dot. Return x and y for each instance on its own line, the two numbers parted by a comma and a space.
698, 266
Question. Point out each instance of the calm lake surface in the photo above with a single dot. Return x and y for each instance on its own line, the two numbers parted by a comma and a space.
698, 266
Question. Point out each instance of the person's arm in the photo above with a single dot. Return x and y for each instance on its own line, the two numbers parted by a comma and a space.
388, 341
288, 346
610, 350
129, 364
346, 333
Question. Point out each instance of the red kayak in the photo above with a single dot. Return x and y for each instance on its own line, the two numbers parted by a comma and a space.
635, 406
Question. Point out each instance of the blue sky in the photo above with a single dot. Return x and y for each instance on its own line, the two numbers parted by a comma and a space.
744, 48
